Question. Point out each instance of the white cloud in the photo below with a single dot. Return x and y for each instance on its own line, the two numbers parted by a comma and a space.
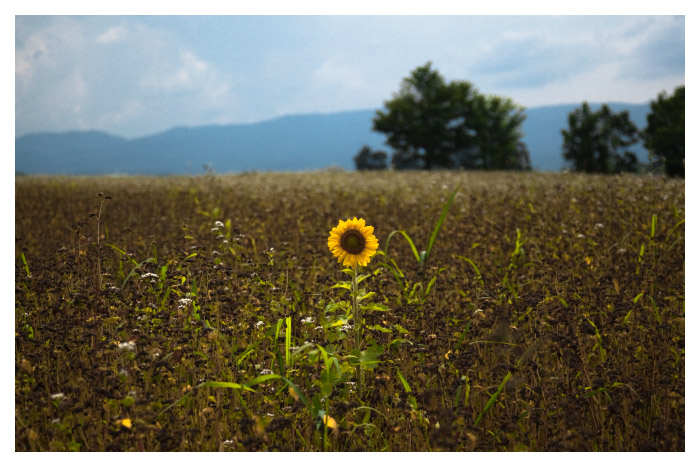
144, 82
138, 75
113, 35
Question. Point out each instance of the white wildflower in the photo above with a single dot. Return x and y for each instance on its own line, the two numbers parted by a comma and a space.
259, 323
265, 371
183, 302
219, 224
307, 320
130, 346
59, 396
149, 275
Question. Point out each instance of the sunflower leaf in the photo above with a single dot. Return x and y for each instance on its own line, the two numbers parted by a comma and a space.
362, 277
367, 295
343, 285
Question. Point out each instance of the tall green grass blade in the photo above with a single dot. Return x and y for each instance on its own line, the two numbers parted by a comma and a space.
408, 239
678, 224
26, 266
656, 309
653, 226
493, 398
224, 384
403, 381
476, 270
133, 270
278, 328
261, 379
434, 234
120, 251
287, 340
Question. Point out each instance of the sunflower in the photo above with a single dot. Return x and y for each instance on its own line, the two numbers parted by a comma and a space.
352, 242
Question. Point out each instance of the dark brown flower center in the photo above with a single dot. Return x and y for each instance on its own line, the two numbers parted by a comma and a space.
353, 241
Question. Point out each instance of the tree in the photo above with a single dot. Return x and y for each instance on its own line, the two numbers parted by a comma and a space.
664, 135
367, 159
433, 124
495, 136
596, 141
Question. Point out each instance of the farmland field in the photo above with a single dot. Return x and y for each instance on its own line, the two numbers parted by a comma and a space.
207, 313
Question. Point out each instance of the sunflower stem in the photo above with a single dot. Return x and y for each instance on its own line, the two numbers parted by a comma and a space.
358, 328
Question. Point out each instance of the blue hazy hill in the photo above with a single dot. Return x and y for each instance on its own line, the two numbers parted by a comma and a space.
295, 142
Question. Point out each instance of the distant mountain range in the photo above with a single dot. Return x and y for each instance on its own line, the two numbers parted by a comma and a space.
290, 143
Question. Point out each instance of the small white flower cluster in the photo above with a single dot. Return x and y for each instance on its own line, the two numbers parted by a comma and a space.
259, 324
130, 346
265, 372
149, 275
59, 396
219, 224
184, 302
307, 320
346, 327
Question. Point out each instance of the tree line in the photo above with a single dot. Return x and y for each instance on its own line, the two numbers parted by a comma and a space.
433, 124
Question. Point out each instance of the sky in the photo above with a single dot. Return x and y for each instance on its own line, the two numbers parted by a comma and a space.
133, 76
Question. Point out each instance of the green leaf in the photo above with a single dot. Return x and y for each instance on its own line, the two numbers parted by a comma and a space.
408, 239
362, 277
224, 384
331, 307
368, 358
261, 379
434, 234
476, 270
374, 307
367, 295
493, 398
287, 339
301, 349
403, 381
400, 341
339, 322
377, 327
128, 401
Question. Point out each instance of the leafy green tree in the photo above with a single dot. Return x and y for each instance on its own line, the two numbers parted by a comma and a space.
367, 159
434, 124
664, 135
597, 141
495, 136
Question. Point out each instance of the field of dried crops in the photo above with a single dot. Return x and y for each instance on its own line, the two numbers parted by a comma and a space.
200, 314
